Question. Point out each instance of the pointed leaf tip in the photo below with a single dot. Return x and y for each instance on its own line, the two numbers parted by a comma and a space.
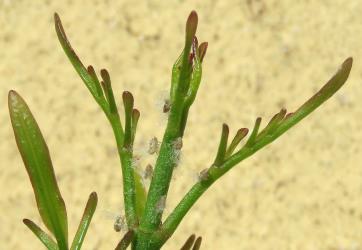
191, 26
220, 156
197, 244
348, 63
189, 242
94, 197
42, 236
202, 50
85, 221
37, 161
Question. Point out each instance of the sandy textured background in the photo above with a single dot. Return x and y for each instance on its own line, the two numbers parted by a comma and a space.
302, 192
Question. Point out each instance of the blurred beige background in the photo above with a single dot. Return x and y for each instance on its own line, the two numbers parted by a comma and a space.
302, 192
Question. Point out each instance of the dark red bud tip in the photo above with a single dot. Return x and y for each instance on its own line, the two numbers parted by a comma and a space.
127, 99
202, 50
191, 26
105, 76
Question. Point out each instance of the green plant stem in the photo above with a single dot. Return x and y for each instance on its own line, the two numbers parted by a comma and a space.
251, 147
125, 156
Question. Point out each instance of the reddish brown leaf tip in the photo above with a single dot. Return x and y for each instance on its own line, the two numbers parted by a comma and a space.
13, 100
348, 63
243, 131
90, 69
225, 128
128, 100
197, 243
59, 28
191, 26
135, 114
127, 96
189, 243
202, 50
105, 76
258, 120
94, 196
12, 94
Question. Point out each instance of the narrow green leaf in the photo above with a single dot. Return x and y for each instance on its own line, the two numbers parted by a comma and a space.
126, 240
73, 57
237, 139
85, 221
191, 27
328, 90
141, 194
42, 236
273, 124
189, 243
107, 87
128, 103
254, 133
195, 78
135, 118
331, 87
202, 50
35, 154
97, 84
197, 243
220, 157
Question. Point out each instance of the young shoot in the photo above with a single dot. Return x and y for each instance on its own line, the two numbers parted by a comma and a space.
147, 228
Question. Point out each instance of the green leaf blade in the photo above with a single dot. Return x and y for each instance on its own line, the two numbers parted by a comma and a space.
327, 91
35, 155
85, 221
42, 236
74, 59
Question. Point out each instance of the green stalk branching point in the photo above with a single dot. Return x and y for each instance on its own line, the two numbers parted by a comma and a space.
144, 211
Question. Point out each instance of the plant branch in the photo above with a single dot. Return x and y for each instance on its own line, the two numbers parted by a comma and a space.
252, 146
103, 94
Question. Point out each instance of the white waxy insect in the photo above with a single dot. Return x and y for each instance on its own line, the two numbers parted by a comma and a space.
153, 146
161, 204
166, 106
119, 224
148, 172
177, 143
204, 174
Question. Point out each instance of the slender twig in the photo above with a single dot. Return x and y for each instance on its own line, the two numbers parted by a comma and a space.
253, 145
